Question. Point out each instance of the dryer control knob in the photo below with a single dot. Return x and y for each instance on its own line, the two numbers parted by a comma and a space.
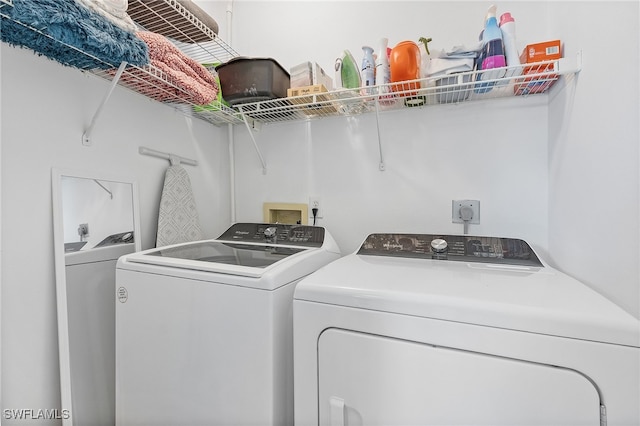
439, 245
270, 231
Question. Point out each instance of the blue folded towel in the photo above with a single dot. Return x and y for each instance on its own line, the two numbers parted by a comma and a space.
70, 34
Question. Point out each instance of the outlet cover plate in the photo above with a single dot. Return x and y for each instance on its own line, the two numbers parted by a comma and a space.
315, 202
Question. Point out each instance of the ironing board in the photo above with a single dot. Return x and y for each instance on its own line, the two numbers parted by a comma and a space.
178, 220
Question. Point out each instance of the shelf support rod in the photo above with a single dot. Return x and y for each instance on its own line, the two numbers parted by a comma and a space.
381, 166
167, 156
253, 139
104, 187
86, 136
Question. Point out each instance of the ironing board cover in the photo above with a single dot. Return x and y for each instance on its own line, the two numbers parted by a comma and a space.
178, 220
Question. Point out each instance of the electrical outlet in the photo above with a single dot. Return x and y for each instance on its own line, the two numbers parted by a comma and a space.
314, 203
456, 205
83, 229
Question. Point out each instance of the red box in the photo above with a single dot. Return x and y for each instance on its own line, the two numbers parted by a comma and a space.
536, 53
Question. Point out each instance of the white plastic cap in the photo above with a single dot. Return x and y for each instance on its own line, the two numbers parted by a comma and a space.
506, 17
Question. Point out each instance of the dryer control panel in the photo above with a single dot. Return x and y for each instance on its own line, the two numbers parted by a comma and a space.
463, 248
275, 233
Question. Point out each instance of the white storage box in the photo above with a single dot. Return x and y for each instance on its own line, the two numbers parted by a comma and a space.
309, 74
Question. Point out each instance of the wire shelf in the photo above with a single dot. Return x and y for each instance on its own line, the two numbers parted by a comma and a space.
208, 48
186, 31
169, 18
151, 81
451, 89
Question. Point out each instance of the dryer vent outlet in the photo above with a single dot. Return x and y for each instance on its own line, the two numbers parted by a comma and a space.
460, 207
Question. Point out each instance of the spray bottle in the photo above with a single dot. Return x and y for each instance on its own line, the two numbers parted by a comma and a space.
368, 71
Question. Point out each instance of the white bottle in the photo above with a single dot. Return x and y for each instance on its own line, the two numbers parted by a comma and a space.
383, 71
508, 28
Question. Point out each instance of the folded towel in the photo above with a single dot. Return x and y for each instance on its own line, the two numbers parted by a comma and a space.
113, 10
440, 66
70, 34
192, 80
463, 51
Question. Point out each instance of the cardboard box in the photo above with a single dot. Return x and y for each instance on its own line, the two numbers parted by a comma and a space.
539, 52
307, 90
317, 101
536, 53
309, 74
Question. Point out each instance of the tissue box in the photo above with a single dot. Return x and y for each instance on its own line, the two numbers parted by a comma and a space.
309, 74
534, 53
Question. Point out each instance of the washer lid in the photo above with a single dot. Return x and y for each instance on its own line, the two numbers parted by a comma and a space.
253, 256
532, 299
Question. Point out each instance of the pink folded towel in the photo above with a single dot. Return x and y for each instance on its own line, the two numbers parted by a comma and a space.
184, 72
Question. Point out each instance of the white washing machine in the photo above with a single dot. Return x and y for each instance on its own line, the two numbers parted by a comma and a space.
204, 329
459, 330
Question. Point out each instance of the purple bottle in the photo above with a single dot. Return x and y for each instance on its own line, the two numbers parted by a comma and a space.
492, 55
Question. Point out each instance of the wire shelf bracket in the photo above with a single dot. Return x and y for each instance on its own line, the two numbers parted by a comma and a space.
381, 165
86, 136
253, 139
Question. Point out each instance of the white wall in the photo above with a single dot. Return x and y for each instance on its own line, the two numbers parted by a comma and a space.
431, 157
495, 152
45, 108
594, 151
563, 176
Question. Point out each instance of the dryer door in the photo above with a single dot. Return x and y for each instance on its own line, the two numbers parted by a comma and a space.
373, 380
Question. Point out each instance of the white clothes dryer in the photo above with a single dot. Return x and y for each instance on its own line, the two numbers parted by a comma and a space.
204, 329
418, 329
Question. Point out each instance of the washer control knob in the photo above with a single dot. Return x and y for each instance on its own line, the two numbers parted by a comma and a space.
270, 231
439, 245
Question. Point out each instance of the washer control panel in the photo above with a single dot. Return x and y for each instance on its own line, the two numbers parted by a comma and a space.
463, 248
275, 233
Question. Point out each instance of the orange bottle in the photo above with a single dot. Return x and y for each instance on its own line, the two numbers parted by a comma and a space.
405, 65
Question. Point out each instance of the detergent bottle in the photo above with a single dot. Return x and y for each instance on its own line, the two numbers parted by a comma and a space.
508, 28
405, 66
492, 54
